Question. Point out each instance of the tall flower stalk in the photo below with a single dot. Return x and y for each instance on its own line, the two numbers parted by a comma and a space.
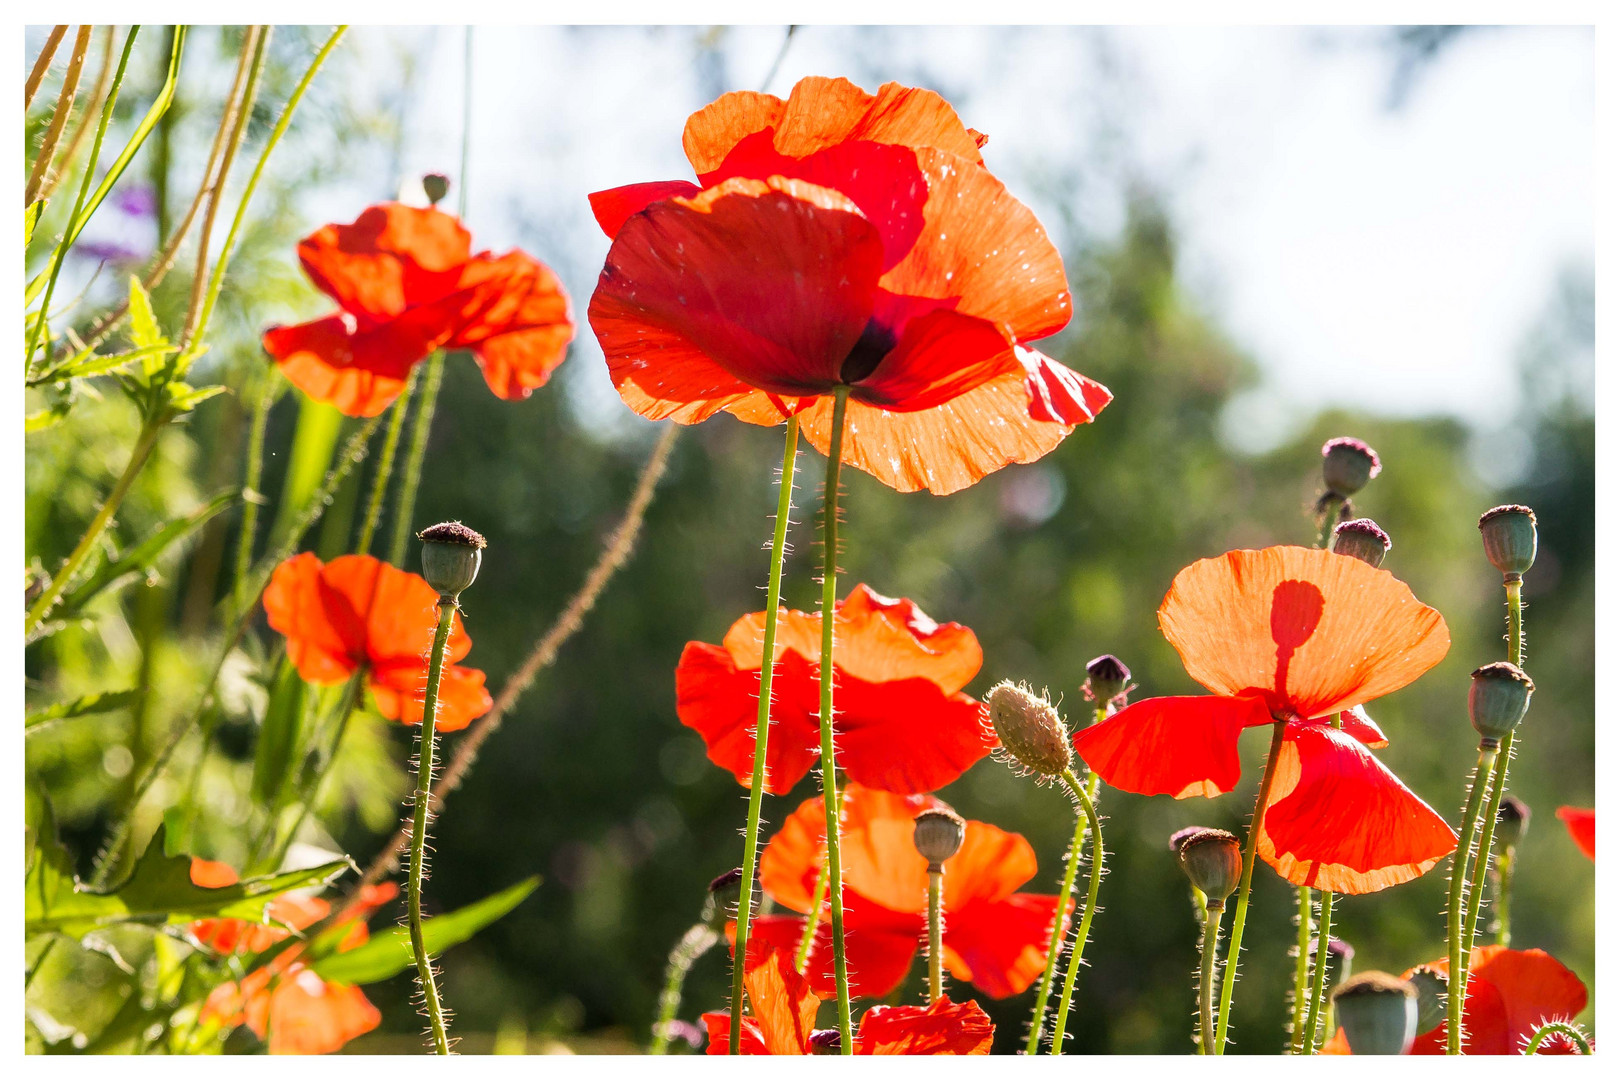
1210, 859
1088, 808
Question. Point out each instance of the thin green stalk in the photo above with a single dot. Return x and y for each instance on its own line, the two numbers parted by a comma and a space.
1477, 783
1319, 989
1558, 1027
829, 759
405, 508
1206, 975
812, 921
1504, 896
1060, 920
1240, 913
1302, 969
1083, 934
144, 445
698, 939
424, 785
310, 793
1330, 520
762, 726
251, 496
936, 936
385, 468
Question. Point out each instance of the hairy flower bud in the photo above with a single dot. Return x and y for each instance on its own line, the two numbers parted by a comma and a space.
938, 835
1512, 821
1379, 1013
451, 555
1107, 678
1029, 728
436, 186
1212, 860
1497, 699
1431, 987
1347, 465
1362, 539
1509, 535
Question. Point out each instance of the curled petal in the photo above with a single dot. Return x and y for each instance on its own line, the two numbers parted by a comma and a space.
1181, 746
1059, 395
721, 703
357, 370
326, 635
718, 1025
521, 324
613, 207
391, 258
1358, 725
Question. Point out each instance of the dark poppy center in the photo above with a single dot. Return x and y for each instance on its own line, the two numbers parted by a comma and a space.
875, 342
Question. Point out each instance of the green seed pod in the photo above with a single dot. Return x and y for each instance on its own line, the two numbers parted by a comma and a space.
1379, 1013
1512, 821
451, 555
1212, 860
437, 186
1347, 465
938, 835
1431, 987
1497, 700
1029, 728
1509, 534
1362, 539
1107, 678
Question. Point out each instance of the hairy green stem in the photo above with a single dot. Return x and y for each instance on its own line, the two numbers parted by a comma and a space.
1060, 923
423, 793
1558, 1027
405, 507
1083, 794
936, 935
1319, 989
1206, 975
1504, 896
1302, 971
829, 760
385, 468
698, 939
1458, 991
310, 794
812, 921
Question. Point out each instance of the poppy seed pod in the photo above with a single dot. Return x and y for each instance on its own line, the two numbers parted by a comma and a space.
1362, 539
724, 892
1431, 987
451, 555
1512, 821
1347, 465
938, 835
1212, 860
1509, 534
1379, 1013
1497, 700
1029, 728
1107, 677
436, 186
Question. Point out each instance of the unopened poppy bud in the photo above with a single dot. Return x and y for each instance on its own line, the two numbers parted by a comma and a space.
724, 892
938, 835
1512, 820
1029, 728
1497, 700
437, 186
451, 555
1347, 465
1379, 1013
1213, 862
1362, 539
1431, 987
1338, 948
1106, 678
826, 1041
1509, 534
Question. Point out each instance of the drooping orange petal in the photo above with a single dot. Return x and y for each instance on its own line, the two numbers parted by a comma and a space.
613, 207
1511, 992
392, 257
326, 640
1340, 820
782, 1003
879, 946
1060, 395
359, 372
721, 703
522, 325
400, 692
1313, 631
945, 1027
870, 826
1181, 746
1582, 826
1356, 723
309, 1015
400, 610
1000, 946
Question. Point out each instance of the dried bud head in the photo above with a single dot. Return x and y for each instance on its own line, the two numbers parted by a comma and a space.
1509, 535
1029, 728
1379, 1013
1212, 860
1107, 678
451, 556
1498, 697
938, 835
1347, 465
1362, 539
1512, 820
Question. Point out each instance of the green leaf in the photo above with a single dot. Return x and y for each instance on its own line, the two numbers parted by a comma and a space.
279, 736
86, 363
83, 706
30, 219
389, 953
143, 324
183, 398
141, 558
157, 891
47, 418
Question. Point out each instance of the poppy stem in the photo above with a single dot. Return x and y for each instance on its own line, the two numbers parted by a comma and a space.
1330, 520
807, 940
421, 798
1206, 975
1302, 969
1240, 913
829, 761
1060, 921
1083, 793
405, 508
1504, 896
385, 468
1558, 1027
1319, 989
309, 793
762, 729
1457, 992
936, 936
698, 939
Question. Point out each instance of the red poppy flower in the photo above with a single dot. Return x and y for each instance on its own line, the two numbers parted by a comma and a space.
1511, 993
784, 1016
358, 611
995, 937
902, 722
1582, 826
840, 238
1301, 634
407, 283
284, 1000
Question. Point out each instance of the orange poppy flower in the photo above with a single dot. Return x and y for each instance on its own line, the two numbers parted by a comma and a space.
784, 1016
1582, 826
284, 1000
902, 722
1298, 634
995, 937
406, 283
840, 238
357, 611
1511, 992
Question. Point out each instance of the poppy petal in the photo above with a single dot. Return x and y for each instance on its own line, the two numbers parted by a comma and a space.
309, 1015
1181, 746
940, 356
1058, 394
359, 373
1511, 992
943, 449
719, 1027
1340, 820
783, 1007
523, 324
1315, 631
326, 641
1582, 826
392, 257
906, 735
400, 693
1000, 947
1358, 725
877, 855
721, 703
613, 207
945, 1027
879, 947
400, 610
